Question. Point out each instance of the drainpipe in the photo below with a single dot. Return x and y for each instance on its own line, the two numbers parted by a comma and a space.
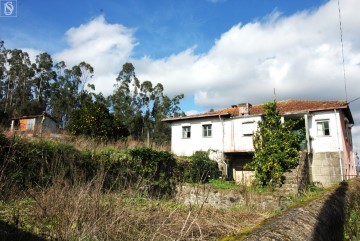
232, 134
339, 152
223, 145
308, 147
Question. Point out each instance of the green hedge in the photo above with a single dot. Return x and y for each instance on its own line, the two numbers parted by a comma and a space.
31, 163
35, 163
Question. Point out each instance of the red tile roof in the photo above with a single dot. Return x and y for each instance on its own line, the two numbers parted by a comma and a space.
284, 107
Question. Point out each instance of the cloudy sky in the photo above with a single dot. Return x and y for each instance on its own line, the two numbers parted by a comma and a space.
216, 52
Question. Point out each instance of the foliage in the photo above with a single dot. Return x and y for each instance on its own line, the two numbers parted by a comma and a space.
85, 212
223, 184
93, 119
155, 170
28, 164
34, 163
203, 168
276, 147
135, 109
352, 214
140, 106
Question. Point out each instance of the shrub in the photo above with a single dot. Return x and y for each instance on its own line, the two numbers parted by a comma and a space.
155, 170
36, 163
203, 168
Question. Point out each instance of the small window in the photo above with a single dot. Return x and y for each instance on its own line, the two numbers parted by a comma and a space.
30, 123
186, 132
207, 130
323, 128
248, 128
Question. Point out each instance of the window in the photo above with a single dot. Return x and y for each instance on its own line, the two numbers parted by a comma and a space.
30, 123
207, 130
248, 128
323, 128
186, 132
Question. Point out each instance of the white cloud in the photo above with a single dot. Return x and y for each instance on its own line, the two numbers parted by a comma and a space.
104, 46
32, 53
299, 55
192, 112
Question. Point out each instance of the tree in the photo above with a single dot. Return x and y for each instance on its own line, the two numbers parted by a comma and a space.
276, 147
18, 82
68, 90
140, 106
93, 119
44, 75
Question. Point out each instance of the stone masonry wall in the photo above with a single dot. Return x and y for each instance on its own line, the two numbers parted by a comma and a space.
325, 168
321, 219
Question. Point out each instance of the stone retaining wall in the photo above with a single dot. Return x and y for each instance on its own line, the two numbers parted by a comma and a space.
204, 194
321, 219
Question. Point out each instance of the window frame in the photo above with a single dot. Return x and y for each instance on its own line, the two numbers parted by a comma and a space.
246, 125
324, 131
186, 132
30, 124
207, 130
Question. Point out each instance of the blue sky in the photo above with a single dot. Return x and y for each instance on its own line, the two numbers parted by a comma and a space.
163, 27
216, 52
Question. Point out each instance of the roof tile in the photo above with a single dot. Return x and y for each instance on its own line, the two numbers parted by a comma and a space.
284, 107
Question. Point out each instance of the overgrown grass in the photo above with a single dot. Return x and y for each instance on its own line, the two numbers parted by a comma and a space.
352, 213
61, 192
84, 212
223, 184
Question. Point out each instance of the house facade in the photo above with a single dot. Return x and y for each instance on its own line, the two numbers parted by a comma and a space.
34, 124
227, 135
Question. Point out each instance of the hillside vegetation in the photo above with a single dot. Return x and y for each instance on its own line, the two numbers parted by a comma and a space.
53, 190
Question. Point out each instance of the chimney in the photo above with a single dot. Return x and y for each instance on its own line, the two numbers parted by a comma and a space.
245, 109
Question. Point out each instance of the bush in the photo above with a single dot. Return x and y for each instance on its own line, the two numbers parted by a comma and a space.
155, 170
203, 168
37, 163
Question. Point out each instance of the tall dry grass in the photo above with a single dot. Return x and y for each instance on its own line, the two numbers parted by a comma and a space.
80, 209
85, 212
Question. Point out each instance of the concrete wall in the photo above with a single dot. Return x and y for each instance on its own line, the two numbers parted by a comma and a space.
227, 135
187, 146
325, 168
237, 137
332, 159
230, 135
325, 143
49, 126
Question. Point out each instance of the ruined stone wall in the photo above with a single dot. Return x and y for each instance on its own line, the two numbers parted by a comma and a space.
322, 219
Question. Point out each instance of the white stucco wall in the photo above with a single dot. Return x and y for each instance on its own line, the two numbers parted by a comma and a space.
235, 138
187, 146
332, 158
227, 135
330, 143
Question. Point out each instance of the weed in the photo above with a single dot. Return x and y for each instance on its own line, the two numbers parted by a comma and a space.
223, 184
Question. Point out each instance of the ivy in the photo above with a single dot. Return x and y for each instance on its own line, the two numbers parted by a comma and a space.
276, 147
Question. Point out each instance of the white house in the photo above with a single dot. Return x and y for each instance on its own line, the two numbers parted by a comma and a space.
227, 133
